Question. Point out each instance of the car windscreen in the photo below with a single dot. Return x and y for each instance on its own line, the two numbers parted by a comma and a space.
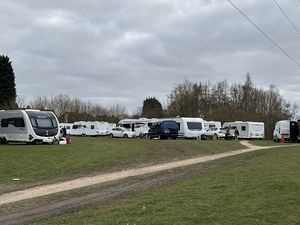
194, 125
170, 125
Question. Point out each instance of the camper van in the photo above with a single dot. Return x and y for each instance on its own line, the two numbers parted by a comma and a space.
91, 128
247, 130
140, 126
283, 130
189, 127
211, 124
30, 126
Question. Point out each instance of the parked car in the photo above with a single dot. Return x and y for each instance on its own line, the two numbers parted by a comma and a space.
121, 132
163, 130
217, 132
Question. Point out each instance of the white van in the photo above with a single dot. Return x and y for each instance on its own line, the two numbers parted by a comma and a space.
91, 128
140, 126
283, 129
211, 124
247, 130
30, 126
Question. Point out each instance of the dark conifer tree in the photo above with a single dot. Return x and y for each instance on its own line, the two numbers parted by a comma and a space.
7, 84
152, 108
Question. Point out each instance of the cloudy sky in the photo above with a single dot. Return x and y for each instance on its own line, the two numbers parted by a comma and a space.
122, 51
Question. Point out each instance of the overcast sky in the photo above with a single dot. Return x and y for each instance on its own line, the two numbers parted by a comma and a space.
122, 51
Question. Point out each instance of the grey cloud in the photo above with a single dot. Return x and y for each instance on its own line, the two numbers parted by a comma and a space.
120, 52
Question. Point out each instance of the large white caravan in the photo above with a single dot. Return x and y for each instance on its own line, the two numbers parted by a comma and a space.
189, 127
140, 126
283, 129
31, 126
247, 130
91, 128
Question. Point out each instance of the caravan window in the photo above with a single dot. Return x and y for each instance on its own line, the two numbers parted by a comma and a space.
243, 128
138, 125
19, 122
92, 127
44, 122
16, 122
4, 123
194, 125
33, 122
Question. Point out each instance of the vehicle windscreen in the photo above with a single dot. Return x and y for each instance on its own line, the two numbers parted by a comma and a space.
170, 125
194, 125
42, 120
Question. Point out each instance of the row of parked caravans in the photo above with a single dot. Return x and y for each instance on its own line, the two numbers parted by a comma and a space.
43, 126
196, 127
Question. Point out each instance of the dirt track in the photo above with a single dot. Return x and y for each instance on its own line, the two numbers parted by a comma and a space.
115, 184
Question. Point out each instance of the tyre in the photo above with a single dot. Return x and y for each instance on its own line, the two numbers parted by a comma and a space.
3, 141
125, 135
111, 135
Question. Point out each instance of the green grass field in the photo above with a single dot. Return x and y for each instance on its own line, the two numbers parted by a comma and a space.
258, 188
47, 163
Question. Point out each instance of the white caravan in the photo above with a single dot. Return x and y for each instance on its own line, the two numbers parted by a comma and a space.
189, 127
247, 130
140, 126
283, 129
30, 126
211, 124
68, 127
91, 128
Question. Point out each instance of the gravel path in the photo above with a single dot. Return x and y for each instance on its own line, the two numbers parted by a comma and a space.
102, 178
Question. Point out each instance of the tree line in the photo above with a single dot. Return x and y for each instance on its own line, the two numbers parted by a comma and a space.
212, 101
224, 102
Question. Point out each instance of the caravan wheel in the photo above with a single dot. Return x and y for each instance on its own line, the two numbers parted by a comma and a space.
3, 141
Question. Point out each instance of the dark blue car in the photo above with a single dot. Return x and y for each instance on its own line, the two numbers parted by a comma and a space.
164, 130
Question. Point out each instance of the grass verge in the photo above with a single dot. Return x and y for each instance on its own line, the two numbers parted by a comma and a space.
41, 163
264, 191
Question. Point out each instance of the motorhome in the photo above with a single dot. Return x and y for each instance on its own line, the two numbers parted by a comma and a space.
211, 124
30, 126
139, 126
91, 128
247, 130
283, 129
189, 127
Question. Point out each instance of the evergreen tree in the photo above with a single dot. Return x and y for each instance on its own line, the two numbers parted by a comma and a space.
7, 84
152, 108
